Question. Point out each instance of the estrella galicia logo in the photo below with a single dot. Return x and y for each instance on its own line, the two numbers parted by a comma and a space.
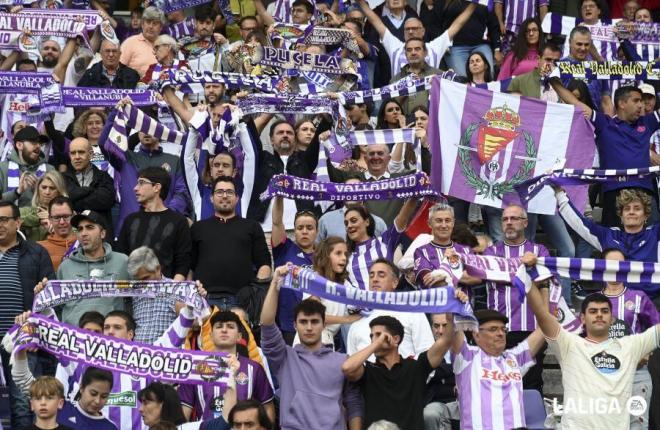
606, 363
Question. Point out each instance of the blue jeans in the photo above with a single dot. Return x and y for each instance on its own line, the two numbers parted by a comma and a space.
458, 56
493, 218
555, 228
224, 302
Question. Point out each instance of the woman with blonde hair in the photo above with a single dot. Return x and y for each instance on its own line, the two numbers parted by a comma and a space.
90, 126
35, 223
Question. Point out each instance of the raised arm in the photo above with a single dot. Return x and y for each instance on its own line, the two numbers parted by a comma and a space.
266, 19
569, 97
353, 367
60, 69
546, 321
278, 234
461, 20
403, 217
442, 344
269, 308
373, 18
177, 105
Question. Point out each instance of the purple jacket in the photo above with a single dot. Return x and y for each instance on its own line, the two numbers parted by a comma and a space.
127, 164
313, 388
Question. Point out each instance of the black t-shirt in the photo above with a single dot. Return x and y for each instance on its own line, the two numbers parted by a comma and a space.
166, 232
226, 255
34, 427
397, 394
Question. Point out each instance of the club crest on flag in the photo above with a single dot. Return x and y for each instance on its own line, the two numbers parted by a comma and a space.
499, 131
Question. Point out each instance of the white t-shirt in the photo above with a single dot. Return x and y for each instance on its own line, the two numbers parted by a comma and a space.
598, 377
394, 47
417, 335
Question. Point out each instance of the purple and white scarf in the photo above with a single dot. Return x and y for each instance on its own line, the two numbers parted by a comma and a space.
404, 87
232, 80
168, 6
432, 300
269, 103
169, 365
609, 70
56, 293
14, 174
588, 269
50, 22
41, 84
316, 35
132, 118
90, 96
646, 33
304, 61
402, 187
562, 177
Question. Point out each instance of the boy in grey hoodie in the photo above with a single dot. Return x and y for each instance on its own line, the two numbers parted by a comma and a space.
93, 259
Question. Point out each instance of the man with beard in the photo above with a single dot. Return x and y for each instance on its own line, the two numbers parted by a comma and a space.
227, 248
502, 297
201, 49
25, 165
309, 370
62, 240
417, 67
94, 260
50, 52
283, 159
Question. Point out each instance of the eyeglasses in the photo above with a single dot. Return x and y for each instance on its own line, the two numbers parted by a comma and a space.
141, 182
375, 153
393, 109
512, 218
4, 220
532, 30
58, 218
249, 29
228, 193
495, 329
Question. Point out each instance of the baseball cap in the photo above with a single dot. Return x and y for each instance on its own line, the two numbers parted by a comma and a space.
92, 216
647, 89
485, 315
31, 134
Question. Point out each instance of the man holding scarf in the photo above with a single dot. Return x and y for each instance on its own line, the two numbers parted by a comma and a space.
93, 259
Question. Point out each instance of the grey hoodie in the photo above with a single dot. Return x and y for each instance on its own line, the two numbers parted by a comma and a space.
112, 266
10, 195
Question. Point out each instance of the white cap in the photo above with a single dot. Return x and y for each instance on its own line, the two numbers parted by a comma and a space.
647, 89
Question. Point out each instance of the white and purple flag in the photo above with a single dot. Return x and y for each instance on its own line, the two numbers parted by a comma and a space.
485, 143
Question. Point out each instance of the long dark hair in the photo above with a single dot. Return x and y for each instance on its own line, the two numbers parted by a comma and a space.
521, 48
93, 374
322, 264
380, 123
167, 395
468, 73
364, 214
585, 95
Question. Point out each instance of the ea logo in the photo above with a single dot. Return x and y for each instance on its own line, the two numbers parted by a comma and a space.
636, 406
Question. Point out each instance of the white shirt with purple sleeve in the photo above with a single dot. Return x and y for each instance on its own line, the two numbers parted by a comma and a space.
490, 389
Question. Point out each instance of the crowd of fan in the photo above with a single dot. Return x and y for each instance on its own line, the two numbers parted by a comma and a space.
303, 362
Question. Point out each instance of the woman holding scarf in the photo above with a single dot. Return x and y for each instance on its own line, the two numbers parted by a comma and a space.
365, 247
330, 261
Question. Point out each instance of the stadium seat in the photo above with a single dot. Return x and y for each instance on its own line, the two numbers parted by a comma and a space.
534, 409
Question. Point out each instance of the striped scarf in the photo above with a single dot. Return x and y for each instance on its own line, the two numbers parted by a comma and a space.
14, 174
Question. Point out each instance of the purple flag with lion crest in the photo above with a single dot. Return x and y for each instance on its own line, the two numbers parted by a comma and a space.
485, 143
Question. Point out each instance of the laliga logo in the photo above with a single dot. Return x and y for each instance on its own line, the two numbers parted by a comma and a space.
635, 406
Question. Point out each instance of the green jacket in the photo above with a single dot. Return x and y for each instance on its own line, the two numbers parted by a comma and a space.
112, 266
10, 195
31, 225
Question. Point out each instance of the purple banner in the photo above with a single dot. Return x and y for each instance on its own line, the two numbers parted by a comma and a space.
304, 61
403, 187
86, 96
51, 22
170, 365
432, 300
56, 293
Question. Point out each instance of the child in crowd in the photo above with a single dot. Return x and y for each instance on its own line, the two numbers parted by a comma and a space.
46, 399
